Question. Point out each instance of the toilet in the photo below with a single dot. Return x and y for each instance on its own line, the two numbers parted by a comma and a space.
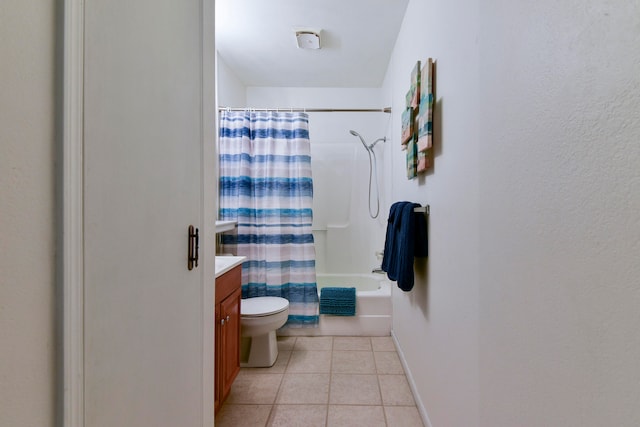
259, 319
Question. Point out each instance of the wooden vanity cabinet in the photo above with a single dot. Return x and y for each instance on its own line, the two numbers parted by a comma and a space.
227, 338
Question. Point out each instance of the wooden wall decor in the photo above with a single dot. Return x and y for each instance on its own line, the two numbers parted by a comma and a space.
417, 120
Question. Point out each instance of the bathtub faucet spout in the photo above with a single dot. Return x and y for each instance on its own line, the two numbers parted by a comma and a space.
378, 270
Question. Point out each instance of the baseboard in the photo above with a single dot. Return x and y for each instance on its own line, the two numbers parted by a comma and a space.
414, 390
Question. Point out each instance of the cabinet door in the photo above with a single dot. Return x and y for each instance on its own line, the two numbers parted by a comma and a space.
217, 357
230, 341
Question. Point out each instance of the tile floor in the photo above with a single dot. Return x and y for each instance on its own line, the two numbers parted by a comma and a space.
324, 381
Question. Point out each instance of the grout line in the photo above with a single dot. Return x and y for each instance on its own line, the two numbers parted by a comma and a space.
269, 416
275, 399
326, 419
381, 398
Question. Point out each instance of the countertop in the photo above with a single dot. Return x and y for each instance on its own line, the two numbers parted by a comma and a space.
226, 263
222, 226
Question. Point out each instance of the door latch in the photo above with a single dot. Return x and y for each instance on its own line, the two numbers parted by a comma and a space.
194, 243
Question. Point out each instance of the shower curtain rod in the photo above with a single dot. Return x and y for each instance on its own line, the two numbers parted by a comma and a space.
313, 110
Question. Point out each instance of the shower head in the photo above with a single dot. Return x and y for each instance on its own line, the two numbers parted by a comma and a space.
368, 147
354, 133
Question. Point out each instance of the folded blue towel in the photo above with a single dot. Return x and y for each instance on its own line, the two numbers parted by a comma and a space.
338, 301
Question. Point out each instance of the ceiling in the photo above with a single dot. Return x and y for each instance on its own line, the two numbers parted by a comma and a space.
256, 39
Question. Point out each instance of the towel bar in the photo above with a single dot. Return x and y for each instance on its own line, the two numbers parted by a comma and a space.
424, 209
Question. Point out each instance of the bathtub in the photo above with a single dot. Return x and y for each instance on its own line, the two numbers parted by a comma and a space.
373, 308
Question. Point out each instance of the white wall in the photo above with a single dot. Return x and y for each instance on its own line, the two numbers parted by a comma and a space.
529, 310
230, 91
559, 180
342, 225
436, 323
27, 345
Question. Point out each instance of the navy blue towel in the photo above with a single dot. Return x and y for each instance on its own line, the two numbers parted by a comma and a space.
406, 239
338, 301
388, 260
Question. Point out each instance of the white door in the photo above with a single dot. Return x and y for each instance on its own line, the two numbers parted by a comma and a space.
148, 330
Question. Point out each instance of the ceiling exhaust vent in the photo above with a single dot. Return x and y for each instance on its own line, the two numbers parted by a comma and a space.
308, 39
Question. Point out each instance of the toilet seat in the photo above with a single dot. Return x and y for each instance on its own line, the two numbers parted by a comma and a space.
262, 306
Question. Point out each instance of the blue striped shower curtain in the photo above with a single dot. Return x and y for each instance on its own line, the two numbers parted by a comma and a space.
266, 186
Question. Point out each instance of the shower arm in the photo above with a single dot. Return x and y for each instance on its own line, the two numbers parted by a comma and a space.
383, 139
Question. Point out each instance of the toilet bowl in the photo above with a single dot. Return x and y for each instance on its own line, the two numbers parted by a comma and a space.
259, 319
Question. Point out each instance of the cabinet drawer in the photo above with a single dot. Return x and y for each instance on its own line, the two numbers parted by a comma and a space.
228, 282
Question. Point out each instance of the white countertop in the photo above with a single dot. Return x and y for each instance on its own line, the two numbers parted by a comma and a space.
226, 263
222, 226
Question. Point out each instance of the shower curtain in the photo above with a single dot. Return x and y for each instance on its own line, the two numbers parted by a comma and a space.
266, 186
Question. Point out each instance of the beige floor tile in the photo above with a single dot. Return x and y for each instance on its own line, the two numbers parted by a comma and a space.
310, 361
383, 344
352, 389
356, 416
299, 386
353, 362
278, 368
255, 388
298, 416
395, 390
352, 343
388, 362
286, 343
304, 389
403, 416
243, 415
313, 343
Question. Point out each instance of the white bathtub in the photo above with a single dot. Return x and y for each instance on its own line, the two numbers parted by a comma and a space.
373, 308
